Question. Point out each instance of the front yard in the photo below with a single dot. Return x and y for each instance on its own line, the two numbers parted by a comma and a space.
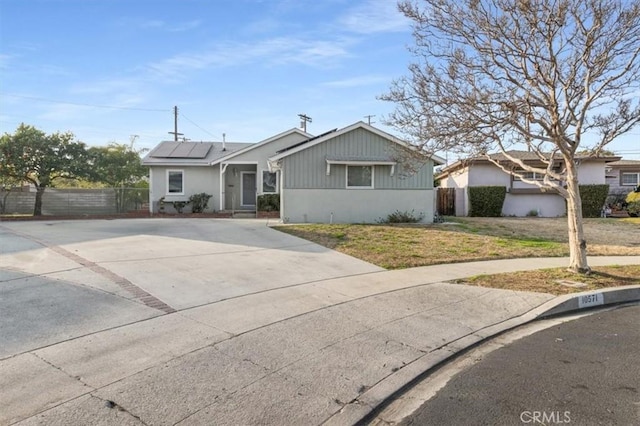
473, 239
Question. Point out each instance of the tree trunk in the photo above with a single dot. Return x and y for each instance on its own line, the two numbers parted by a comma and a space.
577, 242
37, 208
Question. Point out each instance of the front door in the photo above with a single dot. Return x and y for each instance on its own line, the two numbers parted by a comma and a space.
248, 189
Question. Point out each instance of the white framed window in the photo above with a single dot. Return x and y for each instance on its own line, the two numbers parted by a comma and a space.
630, 179
175, 182
360, 177
527, 175
269, 182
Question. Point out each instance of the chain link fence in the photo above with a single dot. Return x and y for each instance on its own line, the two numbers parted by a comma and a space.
76, 202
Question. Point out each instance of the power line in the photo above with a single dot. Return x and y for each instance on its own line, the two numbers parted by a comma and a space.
33, 98
199, 127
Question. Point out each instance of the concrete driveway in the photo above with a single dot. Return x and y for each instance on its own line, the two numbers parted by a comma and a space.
63, 279
199, 322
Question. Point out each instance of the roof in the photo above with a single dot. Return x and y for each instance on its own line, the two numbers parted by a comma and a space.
171, 153
261, 143
526, 156
335, 133
633, 163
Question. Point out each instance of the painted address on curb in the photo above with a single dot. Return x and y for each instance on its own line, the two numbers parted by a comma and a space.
589, 300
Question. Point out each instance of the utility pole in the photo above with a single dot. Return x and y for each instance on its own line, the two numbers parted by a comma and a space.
304, 119
175, 125
368, 117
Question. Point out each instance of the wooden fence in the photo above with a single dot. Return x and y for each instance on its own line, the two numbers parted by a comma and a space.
446, 201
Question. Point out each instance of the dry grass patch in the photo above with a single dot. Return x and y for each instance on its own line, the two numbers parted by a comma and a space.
546, 280
469, 239
397, 246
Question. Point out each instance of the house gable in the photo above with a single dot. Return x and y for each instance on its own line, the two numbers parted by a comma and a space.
322, 163
261, 151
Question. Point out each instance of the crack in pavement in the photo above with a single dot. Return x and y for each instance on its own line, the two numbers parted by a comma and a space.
138, 293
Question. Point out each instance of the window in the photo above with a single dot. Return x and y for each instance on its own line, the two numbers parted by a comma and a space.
175, 182
527, 175
269, 182
359, 176
630, 179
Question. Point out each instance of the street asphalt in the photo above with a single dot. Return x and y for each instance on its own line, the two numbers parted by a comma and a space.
204, 321
584, 372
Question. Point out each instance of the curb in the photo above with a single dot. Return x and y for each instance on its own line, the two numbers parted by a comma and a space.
590, 299
364, 409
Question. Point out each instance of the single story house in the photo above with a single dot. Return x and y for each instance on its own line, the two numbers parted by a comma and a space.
348, 175
522, 198
622, 176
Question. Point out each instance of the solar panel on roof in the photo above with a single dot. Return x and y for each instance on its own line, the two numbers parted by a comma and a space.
200, 150
183, 150
164, 150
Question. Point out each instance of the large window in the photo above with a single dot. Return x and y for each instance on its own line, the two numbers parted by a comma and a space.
175, 182
359, 176
269, 182
527, 175
630, 179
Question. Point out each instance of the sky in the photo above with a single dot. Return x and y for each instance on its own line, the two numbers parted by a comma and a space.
112, 70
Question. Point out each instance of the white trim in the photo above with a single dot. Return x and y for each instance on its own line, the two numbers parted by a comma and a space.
167, 182
151, 190
346, 177
221, 184
362, 163
637, 182
242, 174
261, 143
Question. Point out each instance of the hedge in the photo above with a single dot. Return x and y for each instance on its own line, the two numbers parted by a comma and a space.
593, 199
269, 202
486, 201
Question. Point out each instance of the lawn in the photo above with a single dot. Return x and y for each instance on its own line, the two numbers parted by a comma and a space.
469, 239
473, 239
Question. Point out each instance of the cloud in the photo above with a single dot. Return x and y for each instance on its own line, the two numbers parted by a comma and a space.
359, 81
274, 51
158, 24
374, 16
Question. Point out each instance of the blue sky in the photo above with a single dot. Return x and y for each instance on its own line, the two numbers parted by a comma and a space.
246, 68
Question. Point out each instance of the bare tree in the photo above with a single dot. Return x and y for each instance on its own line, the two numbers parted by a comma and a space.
559, 76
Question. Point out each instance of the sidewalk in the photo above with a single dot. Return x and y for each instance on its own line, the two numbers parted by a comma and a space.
329, 351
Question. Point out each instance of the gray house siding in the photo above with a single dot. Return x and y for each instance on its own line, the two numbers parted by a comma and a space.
195, 180
262, 153
310, 195
307, 169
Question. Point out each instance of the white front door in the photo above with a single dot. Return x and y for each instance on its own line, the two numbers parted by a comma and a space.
248, 189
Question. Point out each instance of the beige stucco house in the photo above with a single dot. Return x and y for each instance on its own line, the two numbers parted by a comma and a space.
522, 199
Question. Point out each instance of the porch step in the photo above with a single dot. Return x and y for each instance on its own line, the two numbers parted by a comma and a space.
244, 215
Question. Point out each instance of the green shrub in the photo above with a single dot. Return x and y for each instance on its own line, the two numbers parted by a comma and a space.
199, 202
401, 217
179, 205
634, 209
269, 202
486, 201
593, 198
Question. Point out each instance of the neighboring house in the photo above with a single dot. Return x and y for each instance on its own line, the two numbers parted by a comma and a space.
522, 199
623, 176
349, 175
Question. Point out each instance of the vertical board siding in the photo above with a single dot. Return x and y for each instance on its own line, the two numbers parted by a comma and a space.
307, 168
